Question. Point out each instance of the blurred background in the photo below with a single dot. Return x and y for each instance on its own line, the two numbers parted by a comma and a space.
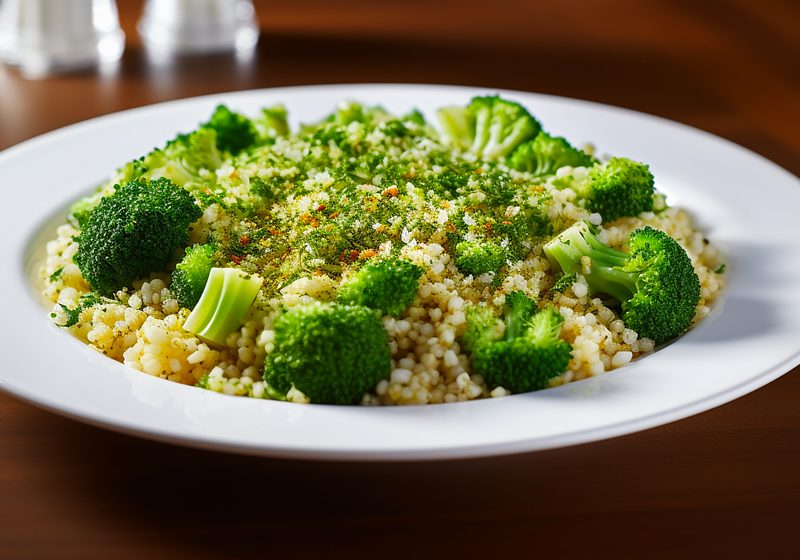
719, 484
731, 67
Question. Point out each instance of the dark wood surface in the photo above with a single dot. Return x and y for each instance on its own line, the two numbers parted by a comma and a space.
725, 483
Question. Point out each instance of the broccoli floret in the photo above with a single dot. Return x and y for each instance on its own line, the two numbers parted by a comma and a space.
526, 355
131, 171
134, 231
545, 154
655, 282
346, 127
271, 124
235, 132
621, 187
489, 127
350, 112
346, 113
80, 211
191, 274
415, 116
458, 126
478, 258
183, 158
388, 286
332, 353
227, 297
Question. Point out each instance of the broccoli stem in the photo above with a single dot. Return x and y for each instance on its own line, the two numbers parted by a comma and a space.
519, 309
456, 125
543, 329
226, 299
482, 119
604, 271
500, 145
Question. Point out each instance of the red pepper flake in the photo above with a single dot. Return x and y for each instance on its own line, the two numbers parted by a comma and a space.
244, 240
390, 192
367, 254
236, 258
333, 215
309, 219
349, 256
479, 171
506, 223
488, 226
321, 208
275, 231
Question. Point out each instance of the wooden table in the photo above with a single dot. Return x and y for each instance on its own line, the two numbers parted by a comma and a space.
725, 483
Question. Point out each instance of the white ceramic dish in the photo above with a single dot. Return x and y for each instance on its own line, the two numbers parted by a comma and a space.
745, 203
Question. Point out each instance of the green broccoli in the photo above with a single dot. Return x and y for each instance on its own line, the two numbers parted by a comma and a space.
235, 132
133, 170
545, 154
478, 258
621, 187
134, 231
348, 112
191, 274
415, 116
183, 158
271, 124
80, 211
388, 286
227, 297
346, 127
655, 282
527, 355
489, 127
332, 353
458, 126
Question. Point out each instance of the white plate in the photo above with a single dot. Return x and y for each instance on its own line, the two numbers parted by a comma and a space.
746, 204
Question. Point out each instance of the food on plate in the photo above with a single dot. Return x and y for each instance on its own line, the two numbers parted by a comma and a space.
655, 281
372, 258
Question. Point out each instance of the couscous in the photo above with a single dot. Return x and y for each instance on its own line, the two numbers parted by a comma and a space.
377, 259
